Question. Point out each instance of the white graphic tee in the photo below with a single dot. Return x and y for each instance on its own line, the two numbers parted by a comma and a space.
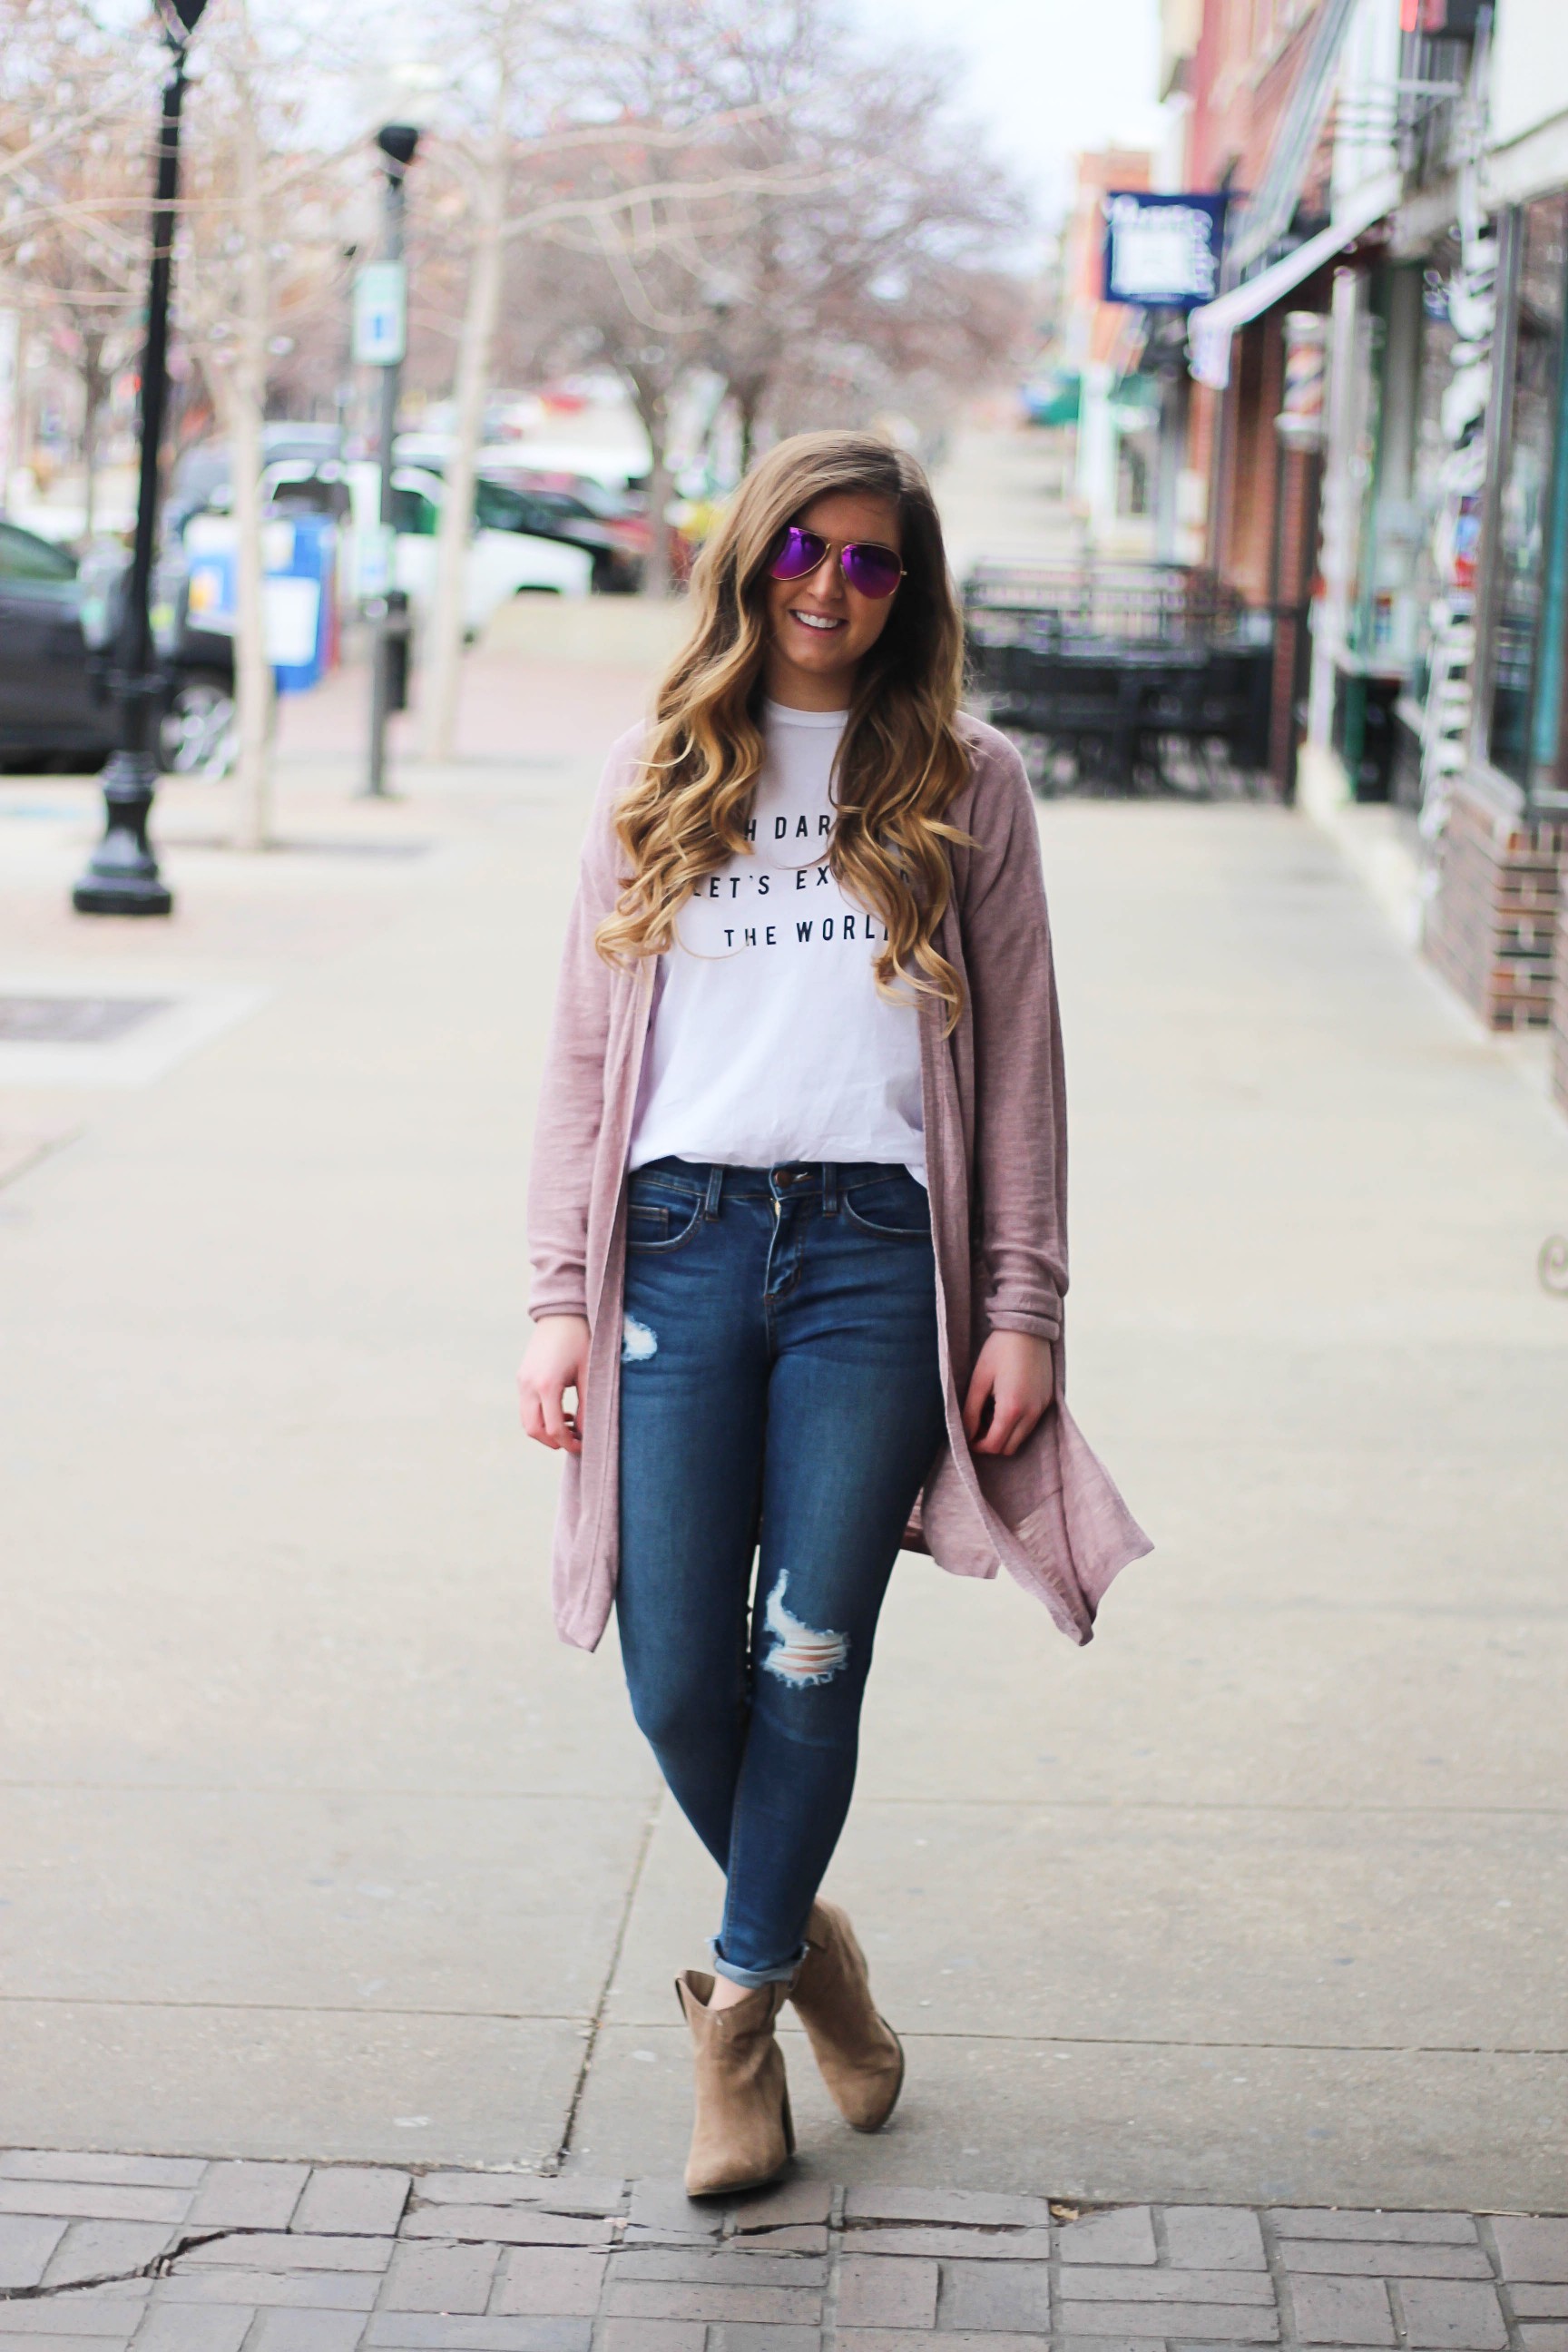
768, 1042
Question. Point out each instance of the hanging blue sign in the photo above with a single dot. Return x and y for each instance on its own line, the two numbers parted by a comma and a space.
1162, 253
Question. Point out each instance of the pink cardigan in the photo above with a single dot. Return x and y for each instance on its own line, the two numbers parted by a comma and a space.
996, 1131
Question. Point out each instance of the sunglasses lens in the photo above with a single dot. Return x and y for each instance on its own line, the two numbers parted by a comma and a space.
800, 553
874, 571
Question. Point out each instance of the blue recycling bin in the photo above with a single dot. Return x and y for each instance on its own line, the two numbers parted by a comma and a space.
301, 608
300, 553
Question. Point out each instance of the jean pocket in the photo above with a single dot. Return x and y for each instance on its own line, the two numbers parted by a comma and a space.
660, 1224
895, 1208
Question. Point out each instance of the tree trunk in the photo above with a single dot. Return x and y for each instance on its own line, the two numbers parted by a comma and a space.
652, 407
246, 392
657, 582
487, 263
92, 401
13, 363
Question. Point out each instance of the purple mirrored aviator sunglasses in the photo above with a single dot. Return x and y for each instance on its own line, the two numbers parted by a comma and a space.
870, 568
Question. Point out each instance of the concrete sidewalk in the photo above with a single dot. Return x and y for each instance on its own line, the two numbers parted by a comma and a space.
316, 1844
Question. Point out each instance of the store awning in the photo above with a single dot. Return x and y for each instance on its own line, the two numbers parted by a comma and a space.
1210, 329
1262, 219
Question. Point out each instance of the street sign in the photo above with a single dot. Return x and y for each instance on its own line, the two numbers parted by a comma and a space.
381, 314
1162, 252
375, 559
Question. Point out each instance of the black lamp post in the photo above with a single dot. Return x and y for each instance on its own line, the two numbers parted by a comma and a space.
388, 688
123, 876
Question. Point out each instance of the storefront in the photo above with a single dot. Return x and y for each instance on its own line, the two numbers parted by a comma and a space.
1526, 738
1405, 551
1500, 826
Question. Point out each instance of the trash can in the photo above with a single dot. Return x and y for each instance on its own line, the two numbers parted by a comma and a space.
399, 629
302, 602
300, 556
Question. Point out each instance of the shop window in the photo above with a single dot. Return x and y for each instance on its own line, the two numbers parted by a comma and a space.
1528, 738
1440, 567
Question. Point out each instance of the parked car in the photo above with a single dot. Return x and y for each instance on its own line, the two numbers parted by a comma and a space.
201, 475
302, 478
199, 730
54, 701
501, 563
58, 621
615, 551
618, 512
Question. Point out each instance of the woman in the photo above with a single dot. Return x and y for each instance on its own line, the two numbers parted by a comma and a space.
797, 1227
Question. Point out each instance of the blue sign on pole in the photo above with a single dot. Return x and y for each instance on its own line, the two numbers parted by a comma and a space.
1162, 252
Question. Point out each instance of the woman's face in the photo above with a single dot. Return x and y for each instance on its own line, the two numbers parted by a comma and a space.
820, 628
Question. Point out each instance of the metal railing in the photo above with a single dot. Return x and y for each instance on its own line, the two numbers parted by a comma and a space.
1109, 603
1122, 677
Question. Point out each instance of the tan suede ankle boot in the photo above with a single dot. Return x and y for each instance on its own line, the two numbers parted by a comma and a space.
860, 2057
742, 2134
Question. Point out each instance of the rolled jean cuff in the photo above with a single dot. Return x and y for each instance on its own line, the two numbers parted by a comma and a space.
751, 1978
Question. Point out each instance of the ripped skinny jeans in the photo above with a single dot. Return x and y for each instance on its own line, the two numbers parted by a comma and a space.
781, 1401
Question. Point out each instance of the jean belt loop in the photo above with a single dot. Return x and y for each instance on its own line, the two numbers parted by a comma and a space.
829, 1189
715, 1188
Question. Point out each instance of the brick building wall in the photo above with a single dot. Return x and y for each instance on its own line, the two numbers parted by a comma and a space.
1096, 327
1559, 997
1295, 567
1492, 926
1248, 488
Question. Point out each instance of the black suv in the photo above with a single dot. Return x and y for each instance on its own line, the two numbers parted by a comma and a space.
58, 623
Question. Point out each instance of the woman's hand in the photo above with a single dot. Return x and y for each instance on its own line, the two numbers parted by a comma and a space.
555, 1360
1013, 1382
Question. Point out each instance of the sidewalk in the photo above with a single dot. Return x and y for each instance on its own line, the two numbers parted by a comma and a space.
186, 2257
315, 1844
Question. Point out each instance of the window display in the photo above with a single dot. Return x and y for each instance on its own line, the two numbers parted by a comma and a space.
1527, 735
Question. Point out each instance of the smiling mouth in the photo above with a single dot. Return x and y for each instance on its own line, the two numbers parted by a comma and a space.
821, 622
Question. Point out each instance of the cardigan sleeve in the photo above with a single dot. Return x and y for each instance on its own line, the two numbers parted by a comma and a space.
571, 1093
1019, 1214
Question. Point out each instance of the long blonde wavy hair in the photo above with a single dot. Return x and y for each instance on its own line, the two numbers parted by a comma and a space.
901, 760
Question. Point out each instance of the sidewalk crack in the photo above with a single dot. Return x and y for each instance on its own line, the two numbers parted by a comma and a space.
159, 2267
552, 2163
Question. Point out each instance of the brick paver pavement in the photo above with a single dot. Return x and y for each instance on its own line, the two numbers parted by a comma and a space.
117, 2253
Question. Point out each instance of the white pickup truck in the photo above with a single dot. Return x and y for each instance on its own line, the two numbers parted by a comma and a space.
501, 563
199, 726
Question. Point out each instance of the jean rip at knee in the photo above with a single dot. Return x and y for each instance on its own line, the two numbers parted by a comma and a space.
800, 1654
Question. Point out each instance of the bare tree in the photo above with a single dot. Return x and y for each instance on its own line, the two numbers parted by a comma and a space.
73, 196
646, 202
257, 248
632, 261
485, 162
76, 229
851, 264
232, 297
633, 294
663, 187
883, 289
